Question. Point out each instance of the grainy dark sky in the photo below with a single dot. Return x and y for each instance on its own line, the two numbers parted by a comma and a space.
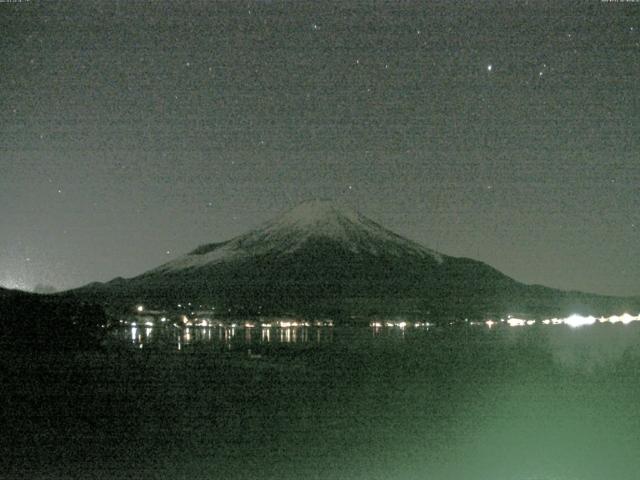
131, 132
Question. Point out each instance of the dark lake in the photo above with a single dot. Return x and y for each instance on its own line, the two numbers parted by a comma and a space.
464, 402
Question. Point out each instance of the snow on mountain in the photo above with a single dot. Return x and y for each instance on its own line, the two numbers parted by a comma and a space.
312, 220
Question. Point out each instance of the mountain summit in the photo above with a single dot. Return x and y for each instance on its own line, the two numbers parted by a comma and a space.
321, 258
308, 224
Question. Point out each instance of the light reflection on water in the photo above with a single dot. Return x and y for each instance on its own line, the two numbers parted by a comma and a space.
223, 335
583, 348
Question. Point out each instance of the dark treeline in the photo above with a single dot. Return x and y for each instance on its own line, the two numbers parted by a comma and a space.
49, 322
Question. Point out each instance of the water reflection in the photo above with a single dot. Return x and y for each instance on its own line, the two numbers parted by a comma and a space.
228, 335
564, 339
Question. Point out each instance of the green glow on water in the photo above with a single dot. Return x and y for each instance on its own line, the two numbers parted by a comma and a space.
523, 403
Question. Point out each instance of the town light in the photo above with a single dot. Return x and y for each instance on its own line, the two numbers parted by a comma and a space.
578, 320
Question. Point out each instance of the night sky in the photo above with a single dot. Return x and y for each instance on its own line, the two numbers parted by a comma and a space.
509, 132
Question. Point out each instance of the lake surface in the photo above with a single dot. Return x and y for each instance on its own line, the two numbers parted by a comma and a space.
539, 402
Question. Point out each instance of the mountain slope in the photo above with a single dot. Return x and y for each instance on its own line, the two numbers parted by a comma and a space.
320, 258
295, 230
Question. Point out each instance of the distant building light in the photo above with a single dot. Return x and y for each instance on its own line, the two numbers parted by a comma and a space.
140, 308
578, 320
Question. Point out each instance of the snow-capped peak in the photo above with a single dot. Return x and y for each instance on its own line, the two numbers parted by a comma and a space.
314, 219
314, 212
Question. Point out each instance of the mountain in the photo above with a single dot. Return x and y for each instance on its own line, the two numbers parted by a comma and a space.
321, 258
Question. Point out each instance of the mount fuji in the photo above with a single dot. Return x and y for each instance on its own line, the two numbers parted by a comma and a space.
320, 258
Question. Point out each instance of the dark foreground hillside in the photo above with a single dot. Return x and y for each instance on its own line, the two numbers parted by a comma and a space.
48, 322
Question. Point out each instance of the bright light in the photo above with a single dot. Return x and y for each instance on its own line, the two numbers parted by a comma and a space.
578, 320
490, 323
140, 308
626, 318
516, 322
